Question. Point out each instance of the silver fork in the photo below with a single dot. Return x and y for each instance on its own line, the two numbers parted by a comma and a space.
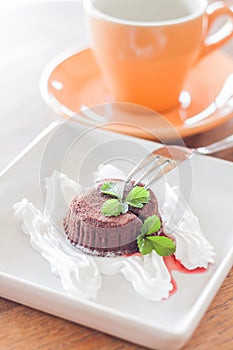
164, 159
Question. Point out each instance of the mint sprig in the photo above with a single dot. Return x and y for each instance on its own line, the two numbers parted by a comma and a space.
112, 207
115, 189
163, 246
137, 197
151, 225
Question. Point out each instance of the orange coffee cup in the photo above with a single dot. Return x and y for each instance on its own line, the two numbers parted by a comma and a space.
146, 48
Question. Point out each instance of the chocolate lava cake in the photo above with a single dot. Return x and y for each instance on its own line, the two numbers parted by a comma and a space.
94, 233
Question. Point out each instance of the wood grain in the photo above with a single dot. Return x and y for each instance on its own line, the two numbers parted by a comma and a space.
23, 328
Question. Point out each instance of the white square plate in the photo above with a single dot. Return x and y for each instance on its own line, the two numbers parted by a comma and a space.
26, 277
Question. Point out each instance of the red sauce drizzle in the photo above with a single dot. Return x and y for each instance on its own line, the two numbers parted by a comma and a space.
175, 265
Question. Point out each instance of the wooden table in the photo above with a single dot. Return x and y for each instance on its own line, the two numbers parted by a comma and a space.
23, 328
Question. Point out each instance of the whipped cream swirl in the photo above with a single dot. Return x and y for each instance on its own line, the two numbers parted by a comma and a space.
192, 248
79, 274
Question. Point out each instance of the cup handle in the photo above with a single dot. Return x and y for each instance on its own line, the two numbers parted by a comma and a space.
224, 33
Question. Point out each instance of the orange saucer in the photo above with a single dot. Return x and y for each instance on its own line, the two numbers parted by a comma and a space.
73, 81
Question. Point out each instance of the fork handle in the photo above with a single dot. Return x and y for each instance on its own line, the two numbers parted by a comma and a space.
225, 143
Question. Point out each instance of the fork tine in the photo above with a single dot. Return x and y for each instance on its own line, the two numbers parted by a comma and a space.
157, 163
141, 164
161, 170
145, 174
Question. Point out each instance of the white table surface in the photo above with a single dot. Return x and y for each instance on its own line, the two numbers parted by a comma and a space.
31, 34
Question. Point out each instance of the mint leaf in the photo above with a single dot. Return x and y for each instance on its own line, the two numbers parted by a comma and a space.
145, 247
140, 239
112, 207
115, 189
137, 197
151, 225
163, 246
